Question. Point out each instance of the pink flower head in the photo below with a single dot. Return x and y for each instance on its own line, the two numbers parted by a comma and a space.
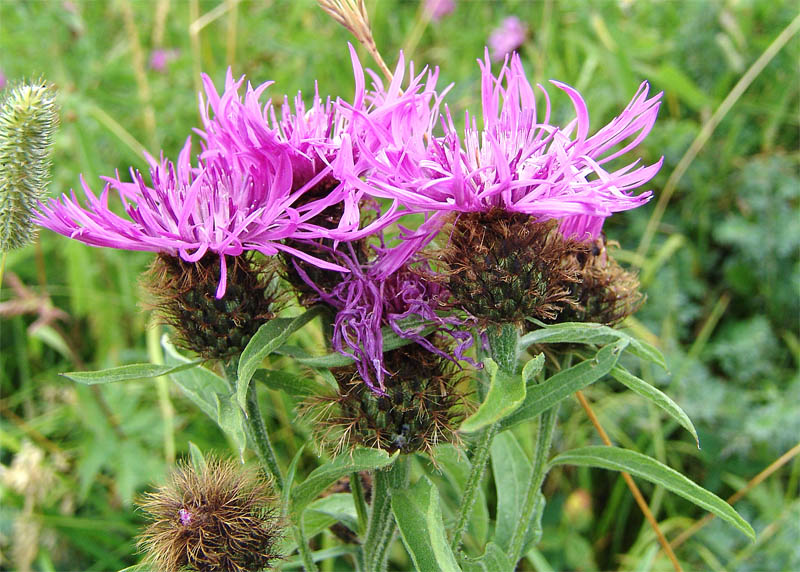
221, 207
160, 59
519, 161
372, 296
507, 38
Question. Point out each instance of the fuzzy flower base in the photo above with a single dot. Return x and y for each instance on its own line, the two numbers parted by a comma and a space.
422, 405
505, 267
184, 295
219, 519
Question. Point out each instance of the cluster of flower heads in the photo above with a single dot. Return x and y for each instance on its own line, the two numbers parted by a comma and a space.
295, 180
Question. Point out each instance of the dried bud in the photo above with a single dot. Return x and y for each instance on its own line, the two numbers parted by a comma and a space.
506, 267
184, 294
28, 119
220, 519
606, 292
422, 405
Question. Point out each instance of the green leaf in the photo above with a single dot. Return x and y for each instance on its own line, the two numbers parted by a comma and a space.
492, 560
287, 484
198, 460
658, 397
126, 372
198, 384
533, 368
456, 468
617, 459
419, 518
541, 397
338, 506
506, 393
361, 459
230, 419
512, 477
295, 385
589, 333
267, 339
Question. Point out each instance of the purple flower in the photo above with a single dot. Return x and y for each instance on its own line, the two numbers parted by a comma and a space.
372, 296
220, 207
438, 9
507, 38
519, 161
160, 58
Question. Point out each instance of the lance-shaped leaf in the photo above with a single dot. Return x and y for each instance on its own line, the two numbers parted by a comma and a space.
492, 560
617, 459
298, 386
127, 372
267, 339
588, 333
658, 397
512, 477
361, 459
541, 397
419, 518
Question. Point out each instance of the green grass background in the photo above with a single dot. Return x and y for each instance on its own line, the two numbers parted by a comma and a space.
722, 273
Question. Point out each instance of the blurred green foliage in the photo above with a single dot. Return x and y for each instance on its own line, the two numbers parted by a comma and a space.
722, 277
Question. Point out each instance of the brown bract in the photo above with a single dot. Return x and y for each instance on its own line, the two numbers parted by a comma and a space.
220, 519
184, 295
505, 267
423, 405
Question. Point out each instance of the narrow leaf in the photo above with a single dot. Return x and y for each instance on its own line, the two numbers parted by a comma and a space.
543, 396
198, 384
512, 477
320, 478
126, 372
295, 385
230, 419
419, 518
338, 506
287, 485
617, 459
267, 339
588, 333
506, 393
658, 397
198, 460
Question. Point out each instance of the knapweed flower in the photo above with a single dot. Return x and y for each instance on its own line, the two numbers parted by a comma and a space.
160, 59
517, 170
218, 518
506, 38
369, 298
222, 208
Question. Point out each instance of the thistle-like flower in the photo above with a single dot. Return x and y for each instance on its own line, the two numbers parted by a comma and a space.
28, 119
520, 172
217, 519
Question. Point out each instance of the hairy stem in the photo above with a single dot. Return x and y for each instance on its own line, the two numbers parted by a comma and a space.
381, 527
544, 438
303, 549
362, 511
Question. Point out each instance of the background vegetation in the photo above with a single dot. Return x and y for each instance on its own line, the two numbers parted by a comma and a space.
721, 272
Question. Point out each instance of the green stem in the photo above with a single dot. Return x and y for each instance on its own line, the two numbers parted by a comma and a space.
480, 455
381, 526
256, 427
357, 491
544, 438
2, 266
303, 549
503, 343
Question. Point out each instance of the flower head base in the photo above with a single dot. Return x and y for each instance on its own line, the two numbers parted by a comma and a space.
521, 163
222, 207
505, 267
217, 519
420, 406
184, 296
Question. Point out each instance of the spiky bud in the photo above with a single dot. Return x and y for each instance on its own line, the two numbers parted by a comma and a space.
216, 519
606, 293
184, 295
28, 120
421, 406
505, 267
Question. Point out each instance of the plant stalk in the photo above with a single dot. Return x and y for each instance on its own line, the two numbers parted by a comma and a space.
544, 438
382, 526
